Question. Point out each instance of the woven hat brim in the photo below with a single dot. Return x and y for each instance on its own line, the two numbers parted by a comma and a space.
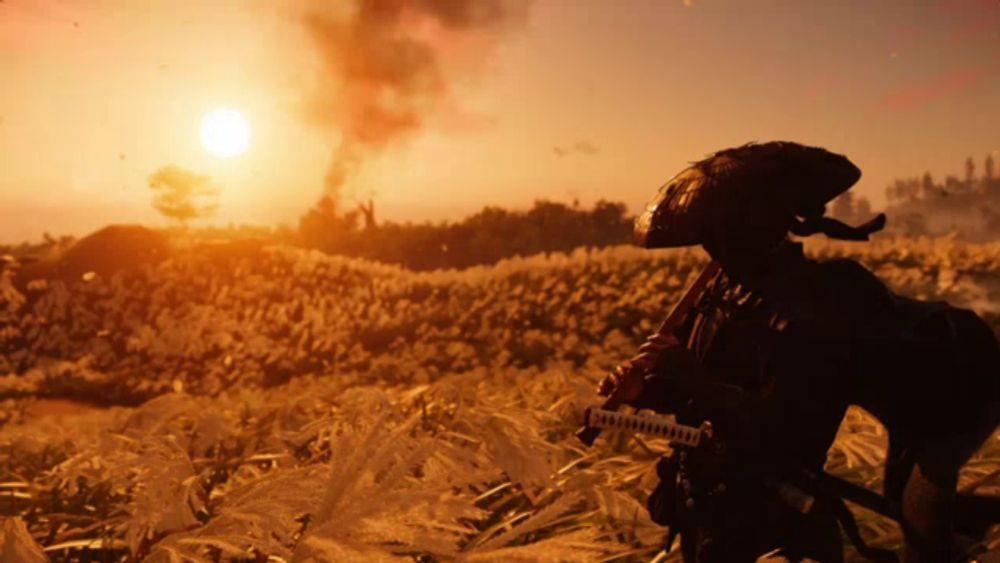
792, 179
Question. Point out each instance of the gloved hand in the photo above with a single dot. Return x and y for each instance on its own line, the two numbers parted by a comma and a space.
629, 378
626, 381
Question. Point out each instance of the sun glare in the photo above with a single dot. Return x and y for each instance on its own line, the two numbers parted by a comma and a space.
224, 132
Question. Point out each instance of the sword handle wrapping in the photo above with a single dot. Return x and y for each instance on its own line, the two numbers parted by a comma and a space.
650, 424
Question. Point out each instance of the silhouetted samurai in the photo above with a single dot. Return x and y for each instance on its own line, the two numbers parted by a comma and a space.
777, 348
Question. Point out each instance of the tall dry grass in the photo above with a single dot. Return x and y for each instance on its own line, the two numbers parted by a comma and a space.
288, 405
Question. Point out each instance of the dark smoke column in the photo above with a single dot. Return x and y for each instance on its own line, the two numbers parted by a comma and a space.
385, 75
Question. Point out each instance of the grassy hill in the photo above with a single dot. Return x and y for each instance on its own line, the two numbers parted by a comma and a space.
278, 402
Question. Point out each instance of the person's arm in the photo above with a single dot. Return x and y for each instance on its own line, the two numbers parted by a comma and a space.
653, 388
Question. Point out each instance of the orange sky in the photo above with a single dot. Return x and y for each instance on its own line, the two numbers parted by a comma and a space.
585, 99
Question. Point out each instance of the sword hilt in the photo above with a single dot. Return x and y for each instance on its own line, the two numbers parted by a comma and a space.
598, 418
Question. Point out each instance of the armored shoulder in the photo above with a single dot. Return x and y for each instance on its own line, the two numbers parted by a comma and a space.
846, 290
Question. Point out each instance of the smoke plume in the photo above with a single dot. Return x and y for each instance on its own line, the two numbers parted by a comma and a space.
389, 66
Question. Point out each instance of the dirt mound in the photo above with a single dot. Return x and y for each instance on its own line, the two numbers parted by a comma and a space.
104, 252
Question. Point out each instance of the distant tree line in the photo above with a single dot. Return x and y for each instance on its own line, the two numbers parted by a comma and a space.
851, 208
490, 235
968, 207
485, 237
925, 188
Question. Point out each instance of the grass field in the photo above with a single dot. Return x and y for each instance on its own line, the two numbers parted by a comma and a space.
287, 405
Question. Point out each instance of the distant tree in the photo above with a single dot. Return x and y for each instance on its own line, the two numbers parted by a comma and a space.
952, 185
970, 172
988, 170
367, 210
325, 228
991, 220
927, 187
848, 207
891, 192
182, 195
901, 191
862, 208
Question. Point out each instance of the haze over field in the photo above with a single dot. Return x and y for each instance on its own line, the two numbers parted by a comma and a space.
500, 103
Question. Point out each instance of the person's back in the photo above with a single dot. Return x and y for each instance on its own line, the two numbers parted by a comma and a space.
836, 336
930, 373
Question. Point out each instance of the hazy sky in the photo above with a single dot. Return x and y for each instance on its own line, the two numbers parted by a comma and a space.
582, 99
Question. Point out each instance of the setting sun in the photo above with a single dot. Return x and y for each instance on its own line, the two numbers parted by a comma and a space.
225, 132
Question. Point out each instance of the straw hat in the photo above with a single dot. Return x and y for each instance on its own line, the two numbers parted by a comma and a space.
778, 184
